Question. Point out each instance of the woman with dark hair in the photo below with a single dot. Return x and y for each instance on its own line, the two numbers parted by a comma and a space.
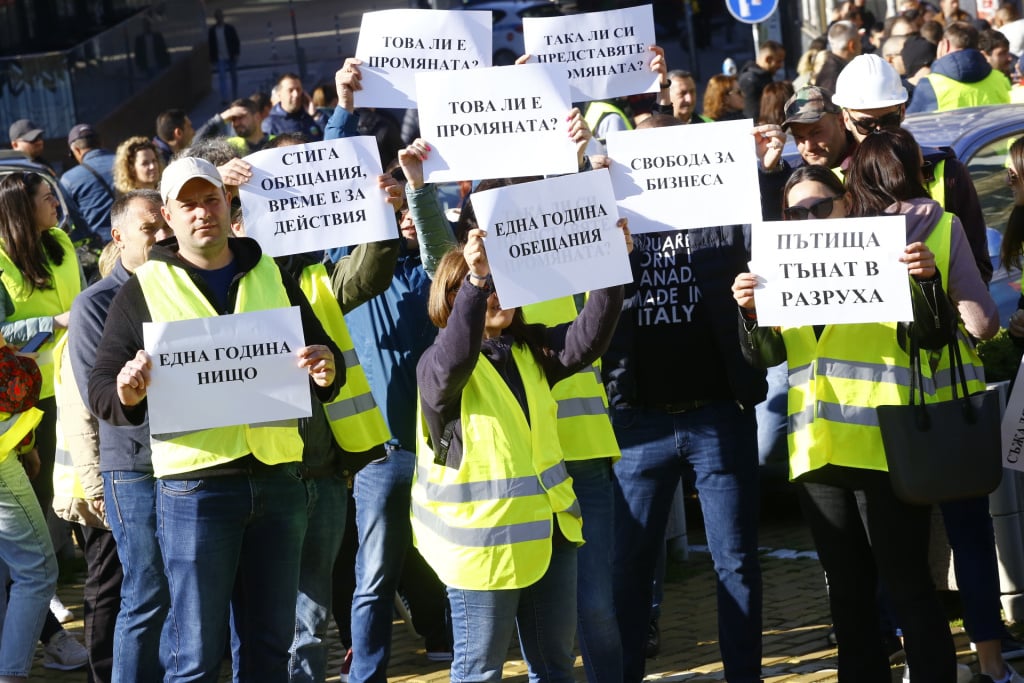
886, 178
40, 277
838, 375
488, 425
138, 165
773, 102
723, 99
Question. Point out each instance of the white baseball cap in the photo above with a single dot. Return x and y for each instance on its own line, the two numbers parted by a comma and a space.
182, 170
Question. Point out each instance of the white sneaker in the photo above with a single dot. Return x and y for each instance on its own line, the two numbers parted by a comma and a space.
63, 614
64, 653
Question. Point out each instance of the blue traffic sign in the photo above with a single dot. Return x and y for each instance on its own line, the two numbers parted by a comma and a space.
752, 11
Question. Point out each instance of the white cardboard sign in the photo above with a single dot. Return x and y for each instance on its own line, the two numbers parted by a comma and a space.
605, 54
1013, 425
552, 238
394, 45
686, 176
827, 272
319, 195
501, 122
226, 370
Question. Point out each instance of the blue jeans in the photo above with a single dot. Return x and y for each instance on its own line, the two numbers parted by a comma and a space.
131, 512
27, 553
382, 493
719, 441
969, 528
328, 507
232, 541
544, 614
597, 629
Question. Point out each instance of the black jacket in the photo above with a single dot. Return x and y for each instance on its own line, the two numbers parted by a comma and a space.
230, 37
122, 334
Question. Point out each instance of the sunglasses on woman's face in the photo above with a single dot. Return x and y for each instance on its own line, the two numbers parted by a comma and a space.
819, 209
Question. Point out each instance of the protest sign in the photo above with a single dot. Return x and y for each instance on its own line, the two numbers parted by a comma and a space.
316, 196
693, 176
605, 54
394, 45
552, 238
226, 370
831, 272
501, 122
1013, 425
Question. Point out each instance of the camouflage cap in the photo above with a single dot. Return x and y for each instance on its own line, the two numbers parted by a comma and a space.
807, 105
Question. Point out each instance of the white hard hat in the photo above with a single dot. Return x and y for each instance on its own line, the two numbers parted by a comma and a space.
869, 82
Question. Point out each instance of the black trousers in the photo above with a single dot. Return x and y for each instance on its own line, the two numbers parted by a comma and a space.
864, 534
102, 601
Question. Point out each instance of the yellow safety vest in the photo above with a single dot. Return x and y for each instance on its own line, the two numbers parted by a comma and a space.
66, 483
974, 369
14, 427
953, 94
488, 524
583, 426
599, 109
171, 295
356, 421
40, 303
836, 382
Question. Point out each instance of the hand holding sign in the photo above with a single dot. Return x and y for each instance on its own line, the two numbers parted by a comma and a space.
579, 131
348, 81
475, 254
920, 261
319, 360
133, 380
769, 140
743, 290
411, 160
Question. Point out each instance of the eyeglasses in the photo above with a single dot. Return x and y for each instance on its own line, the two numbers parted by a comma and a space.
1011, 177
868, 125
819, 209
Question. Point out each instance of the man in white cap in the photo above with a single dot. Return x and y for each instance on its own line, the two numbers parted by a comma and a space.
871, 95
231, 507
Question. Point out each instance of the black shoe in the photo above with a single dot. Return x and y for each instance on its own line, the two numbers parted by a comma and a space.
653, 639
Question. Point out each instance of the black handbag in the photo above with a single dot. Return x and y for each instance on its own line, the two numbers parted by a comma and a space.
943, 451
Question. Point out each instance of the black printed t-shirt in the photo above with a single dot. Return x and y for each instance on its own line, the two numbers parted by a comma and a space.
676, 353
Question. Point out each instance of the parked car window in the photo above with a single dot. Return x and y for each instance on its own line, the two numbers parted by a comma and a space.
988, 171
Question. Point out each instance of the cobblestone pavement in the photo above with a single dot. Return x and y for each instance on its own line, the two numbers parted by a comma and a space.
796, 621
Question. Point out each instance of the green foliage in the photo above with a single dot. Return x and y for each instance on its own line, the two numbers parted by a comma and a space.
1001, 357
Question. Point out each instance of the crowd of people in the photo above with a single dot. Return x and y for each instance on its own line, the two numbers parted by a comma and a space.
502, 470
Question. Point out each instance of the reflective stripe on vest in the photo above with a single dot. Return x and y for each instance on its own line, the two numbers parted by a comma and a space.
356, 421
44, 303
836, 382
171, 295
66, 483
954, 94
487, 524
584, 427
